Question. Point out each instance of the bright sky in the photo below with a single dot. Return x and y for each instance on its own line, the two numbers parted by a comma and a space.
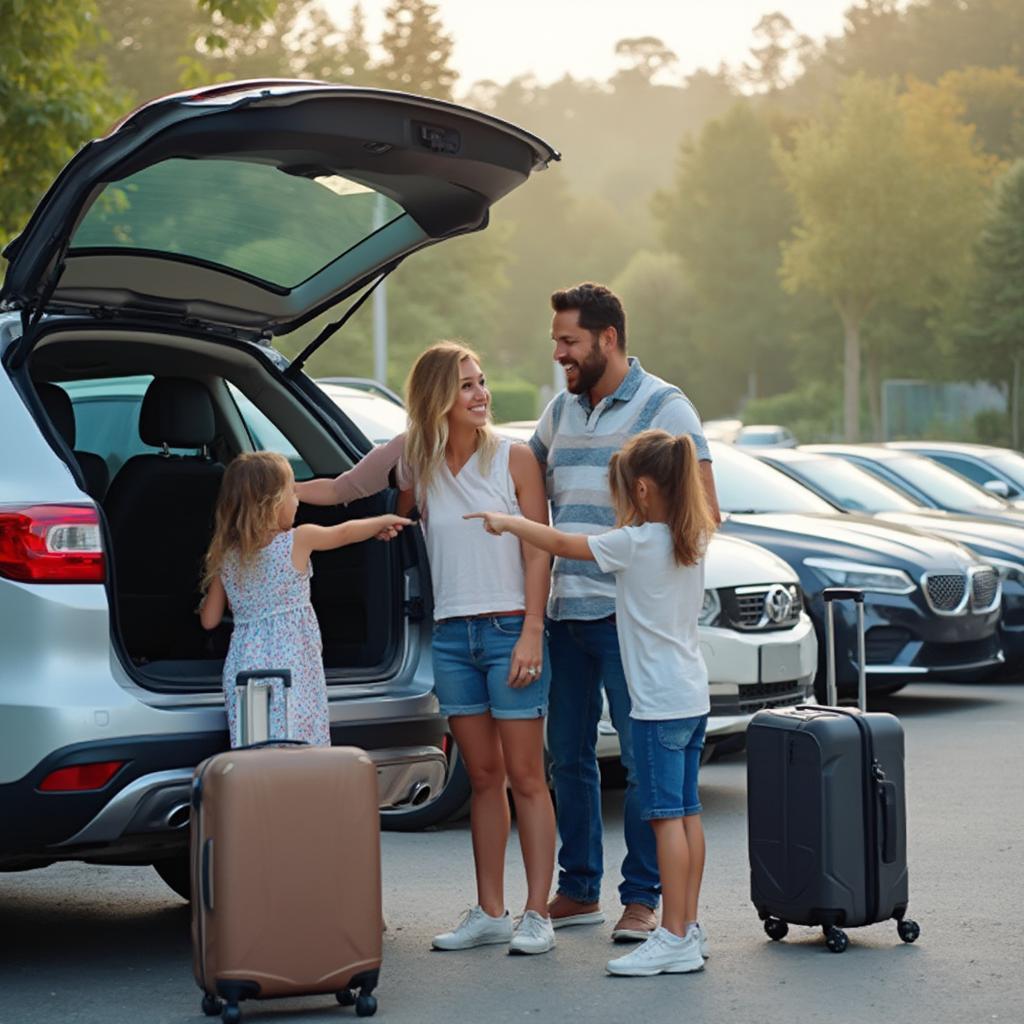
500, 39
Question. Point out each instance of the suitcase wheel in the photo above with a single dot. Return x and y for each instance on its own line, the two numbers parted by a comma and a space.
909, 930
211, 1005
775, 929
231, 1014
345, 997
366, 1006
836, 939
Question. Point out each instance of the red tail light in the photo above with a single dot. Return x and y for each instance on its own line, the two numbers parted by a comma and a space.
51, 544
80, 777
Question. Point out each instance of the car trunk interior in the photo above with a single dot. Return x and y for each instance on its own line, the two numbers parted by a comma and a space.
158, 504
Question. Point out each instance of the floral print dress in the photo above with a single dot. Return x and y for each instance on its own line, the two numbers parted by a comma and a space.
275, 627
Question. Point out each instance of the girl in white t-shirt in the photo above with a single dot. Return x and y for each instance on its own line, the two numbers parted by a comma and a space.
656, 553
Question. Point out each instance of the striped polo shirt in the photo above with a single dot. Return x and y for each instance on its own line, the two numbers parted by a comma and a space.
574, 443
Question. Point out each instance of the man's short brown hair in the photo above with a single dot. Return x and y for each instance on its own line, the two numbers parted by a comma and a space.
598, 307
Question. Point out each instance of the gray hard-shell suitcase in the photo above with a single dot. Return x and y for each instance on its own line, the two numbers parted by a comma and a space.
826, 811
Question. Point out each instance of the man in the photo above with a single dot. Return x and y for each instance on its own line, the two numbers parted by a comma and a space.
609, 397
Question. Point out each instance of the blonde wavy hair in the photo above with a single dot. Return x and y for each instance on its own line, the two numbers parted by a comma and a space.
254, 485
431, 389
671, 464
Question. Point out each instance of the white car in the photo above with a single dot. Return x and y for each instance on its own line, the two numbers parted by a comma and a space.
758, 642
767, 435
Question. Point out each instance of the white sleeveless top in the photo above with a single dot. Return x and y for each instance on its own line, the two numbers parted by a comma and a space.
473, 572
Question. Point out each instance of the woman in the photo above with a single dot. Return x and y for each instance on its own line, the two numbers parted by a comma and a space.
490, 672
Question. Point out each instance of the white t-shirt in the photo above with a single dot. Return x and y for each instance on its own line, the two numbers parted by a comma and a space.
656, 607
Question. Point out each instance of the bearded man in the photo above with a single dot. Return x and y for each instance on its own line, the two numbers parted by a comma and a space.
608, 398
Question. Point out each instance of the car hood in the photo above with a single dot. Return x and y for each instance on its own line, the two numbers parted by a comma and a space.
257, 205
731, 562
853, 537
995, 539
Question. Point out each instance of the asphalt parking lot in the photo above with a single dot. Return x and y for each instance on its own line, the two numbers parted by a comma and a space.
98, 944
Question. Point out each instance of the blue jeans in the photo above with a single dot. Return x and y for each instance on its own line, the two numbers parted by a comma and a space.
584, 656
471, 663
667, 756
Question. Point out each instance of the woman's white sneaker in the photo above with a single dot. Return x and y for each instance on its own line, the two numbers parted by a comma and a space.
662, 953
533, 934
477, 928
702, 937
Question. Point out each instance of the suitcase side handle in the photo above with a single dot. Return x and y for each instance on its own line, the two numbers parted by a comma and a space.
207, 875
887, 800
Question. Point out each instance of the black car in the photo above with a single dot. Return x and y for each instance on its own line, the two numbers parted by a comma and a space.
923, 481
931, 607
853, 489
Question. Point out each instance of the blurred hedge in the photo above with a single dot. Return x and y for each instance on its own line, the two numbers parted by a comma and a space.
513, 399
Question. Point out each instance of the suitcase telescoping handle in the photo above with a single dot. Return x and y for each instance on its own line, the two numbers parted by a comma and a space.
245, 681
831, 595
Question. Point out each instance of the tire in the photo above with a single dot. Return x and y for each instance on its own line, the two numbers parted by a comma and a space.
450, 804
176, 873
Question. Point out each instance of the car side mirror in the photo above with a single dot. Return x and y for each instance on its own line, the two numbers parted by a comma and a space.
1000, 488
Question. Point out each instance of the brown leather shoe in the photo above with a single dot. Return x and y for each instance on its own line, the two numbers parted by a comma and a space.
565, 912
636, 924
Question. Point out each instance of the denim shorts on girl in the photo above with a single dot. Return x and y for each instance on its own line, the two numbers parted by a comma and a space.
471, 662
667, 757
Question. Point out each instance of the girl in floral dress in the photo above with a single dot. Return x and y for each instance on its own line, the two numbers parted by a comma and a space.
259, 565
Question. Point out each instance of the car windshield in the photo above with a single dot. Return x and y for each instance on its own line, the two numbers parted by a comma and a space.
851, 487
943, 486
377, 417
746, 485
236, 215
1011, 464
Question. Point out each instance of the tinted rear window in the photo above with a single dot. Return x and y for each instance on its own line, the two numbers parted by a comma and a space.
251, 218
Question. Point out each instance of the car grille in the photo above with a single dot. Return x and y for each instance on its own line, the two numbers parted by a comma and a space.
946, 591
984, 589
749, 608
758, 696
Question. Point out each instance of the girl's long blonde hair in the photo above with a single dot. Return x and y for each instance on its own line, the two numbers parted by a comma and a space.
254, 485
671, 464
431, 389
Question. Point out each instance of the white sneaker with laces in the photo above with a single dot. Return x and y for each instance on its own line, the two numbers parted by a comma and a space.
533, 934
477, 928
662, 953
702, 937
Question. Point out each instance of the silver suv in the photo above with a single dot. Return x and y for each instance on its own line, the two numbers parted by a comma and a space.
172, 252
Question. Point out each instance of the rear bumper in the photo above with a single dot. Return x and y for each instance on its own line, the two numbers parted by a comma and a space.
143, 811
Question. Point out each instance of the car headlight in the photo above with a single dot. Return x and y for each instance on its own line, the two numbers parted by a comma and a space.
1008, 571
872, 578
711, 609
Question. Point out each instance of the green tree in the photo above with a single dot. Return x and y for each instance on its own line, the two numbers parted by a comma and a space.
51, 100
417, 50
877, 221
726, 216
992, 338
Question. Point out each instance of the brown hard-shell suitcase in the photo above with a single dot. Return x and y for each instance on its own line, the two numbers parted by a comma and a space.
286, 876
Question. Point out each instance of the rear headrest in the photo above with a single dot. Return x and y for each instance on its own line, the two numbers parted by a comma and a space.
57, 404
178, 412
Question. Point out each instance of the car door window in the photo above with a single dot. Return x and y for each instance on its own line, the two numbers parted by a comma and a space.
976, 471
266, 436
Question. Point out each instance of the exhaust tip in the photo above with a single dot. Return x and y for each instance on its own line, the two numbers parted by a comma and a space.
178, 816
419, 794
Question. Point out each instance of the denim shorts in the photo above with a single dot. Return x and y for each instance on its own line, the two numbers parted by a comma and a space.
471, 662
667, 756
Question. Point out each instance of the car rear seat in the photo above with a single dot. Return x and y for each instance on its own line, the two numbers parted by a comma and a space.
57, 404
160, 510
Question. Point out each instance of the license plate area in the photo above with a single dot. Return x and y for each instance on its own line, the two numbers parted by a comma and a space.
779, 663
